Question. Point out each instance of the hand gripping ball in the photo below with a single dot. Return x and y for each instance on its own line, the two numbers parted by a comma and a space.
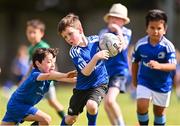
112, 43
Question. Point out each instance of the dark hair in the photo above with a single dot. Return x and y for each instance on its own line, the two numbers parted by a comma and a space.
36, 23
156, 15
41, 53
71, 20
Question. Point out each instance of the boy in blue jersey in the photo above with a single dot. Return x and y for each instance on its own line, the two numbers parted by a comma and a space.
154, 60
21, 104
92, 77
35, 30
117, 66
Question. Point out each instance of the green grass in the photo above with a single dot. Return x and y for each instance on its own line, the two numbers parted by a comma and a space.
127, 105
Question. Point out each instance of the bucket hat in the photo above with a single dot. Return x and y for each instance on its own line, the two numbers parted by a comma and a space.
118, 10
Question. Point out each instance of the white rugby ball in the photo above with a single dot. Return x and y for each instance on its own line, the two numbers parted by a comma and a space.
112, 43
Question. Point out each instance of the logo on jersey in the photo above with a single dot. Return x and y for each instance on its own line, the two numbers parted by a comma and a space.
161, 55
145, 64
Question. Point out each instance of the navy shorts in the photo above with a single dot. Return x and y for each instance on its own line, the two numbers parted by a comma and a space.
80, 98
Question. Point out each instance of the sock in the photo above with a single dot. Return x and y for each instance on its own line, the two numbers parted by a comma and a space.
61, 114
160, 120
120, 121
143, 119
92, 119
35, 123
63, 123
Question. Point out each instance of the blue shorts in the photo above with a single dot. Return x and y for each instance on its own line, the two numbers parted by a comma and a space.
17, 114
119, 82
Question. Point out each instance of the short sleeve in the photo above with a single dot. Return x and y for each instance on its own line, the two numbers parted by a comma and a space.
35, 75
135, 55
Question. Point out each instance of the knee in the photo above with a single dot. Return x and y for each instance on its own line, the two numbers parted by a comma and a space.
108, 102
92, 107
142, 110
47, 120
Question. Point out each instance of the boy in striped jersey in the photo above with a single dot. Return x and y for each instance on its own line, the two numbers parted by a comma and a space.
155, 55
92, 76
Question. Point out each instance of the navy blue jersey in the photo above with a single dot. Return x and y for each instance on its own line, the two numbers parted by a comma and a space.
82, 56
30, 92
163, 52
118, 65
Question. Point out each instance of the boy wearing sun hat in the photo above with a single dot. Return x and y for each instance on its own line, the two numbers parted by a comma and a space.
118, 10
117, 66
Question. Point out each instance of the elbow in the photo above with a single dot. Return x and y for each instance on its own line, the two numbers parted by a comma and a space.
170, 68
174, 67
85, 73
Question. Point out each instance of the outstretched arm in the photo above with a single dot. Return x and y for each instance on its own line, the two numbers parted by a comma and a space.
72, 77
72, 80
58, 76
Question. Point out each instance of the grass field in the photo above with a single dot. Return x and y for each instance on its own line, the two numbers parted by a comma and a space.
127, 105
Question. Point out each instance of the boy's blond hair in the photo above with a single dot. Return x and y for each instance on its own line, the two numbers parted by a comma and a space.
70, 20
36, 23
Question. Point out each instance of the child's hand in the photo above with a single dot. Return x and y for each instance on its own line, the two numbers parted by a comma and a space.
154, 65
103, 54
73, 80
72, 74
115, 28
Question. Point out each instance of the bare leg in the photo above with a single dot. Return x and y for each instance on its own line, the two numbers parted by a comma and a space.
55, 104
159, 113
92, 112
142, 111
112, 108
41, 117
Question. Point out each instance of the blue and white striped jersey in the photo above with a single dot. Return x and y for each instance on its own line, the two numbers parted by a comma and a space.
163, 52
81, 56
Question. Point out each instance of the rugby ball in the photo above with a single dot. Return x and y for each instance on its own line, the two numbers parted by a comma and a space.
112, 43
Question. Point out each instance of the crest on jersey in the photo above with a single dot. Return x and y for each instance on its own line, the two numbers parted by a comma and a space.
161, 55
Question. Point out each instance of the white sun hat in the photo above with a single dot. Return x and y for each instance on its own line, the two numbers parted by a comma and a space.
118, 10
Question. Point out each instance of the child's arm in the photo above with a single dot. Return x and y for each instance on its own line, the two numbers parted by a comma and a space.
161, 66
87, 70
134, 70
72, 80
56, 75
72, 77
115, 28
